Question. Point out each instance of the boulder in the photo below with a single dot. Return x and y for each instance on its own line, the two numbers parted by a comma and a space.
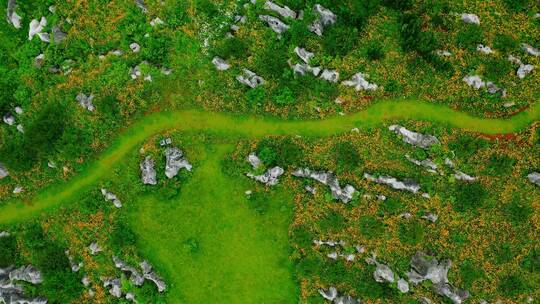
443, 53
3, 171
140, 4
11, 292
149, 274
135, 47
165, 142
383, 273
38, 61
494, 89
330, 75
344, 194
4, 234
274, 23
410, 186
416, 139
9, 119
304, 54
326, 18
175, 161
474, 81
524, 70
36, 28
284, 11
86, 101
74, 265
456, 295
303, 69
463, 176
470, 18
111, 197
402, 286
270, 177
85, 281
12, 17
134, 276
359, 82
250, 79
533, 177
27, 274
116, 286
94, 248
330, 294
148, 173
58, 34
221, 64
484, 49
18, 110
254, 160
20, 128
530, 50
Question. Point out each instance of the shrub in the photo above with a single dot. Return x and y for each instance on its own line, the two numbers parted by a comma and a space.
8, 251
123, 235
279, 152
414, 38
469, 196
505, 43
339, 40
411, 232
259, 202
332, 221
374, 50
513, 285
233, 47
470, 273
497, 69
256, 96
518, 5
206, 7
518, 211
370, 227
466, 146
531, 262
284, 96
469, 37
346, 156
502, 253
391, 206
500, 165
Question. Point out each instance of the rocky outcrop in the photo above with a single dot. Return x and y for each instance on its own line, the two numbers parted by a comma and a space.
359, 82
416, 139
3, 171
115, 286
270, 177
533, 178
274, 23
111, 197
330, 75
149, 274
426, 163
410, 186
326, 18
148, 173
175, 161
74, 265
134, 276
220, 64
470, 18
86, 101
284, 11
11, 292
94, 248
530, 50
27, 274
36, 28
250, 79
432, 217
344, 194
12, 17
58, 34
331, 294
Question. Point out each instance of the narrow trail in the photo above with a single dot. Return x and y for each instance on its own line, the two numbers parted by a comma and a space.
251, 127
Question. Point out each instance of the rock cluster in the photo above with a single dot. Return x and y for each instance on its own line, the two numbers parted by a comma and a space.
534, 178
344, 194
524, 69
410, 186
326, 18
413, 138
476, 82
384, 274
111, 197
3, 171
250, 79
359, 82
175, 161
36, 28
331, 294
148, 172
11, 292
86, 101
274, 23
284, 11
270, 177
12, 17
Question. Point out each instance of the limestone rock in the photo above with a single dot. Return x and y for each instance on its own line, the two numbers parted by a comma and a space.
12, 17
134, 276
484, 49
533, 177
284, 11
156, 21
344, 194
86, 101
141, 5
474, 81
27, 274
135, 47
430, 217
250, 79
165, 142
270, 177
221, 64
530, 50
4, 234
494, 89
38, 61
74, 265
3, 171
470, 18
11, 292
330, 75
416, 139
36, 28
359, 82
111, 197
304, 54
116, 287
524, 70
274, 23
175, 161
58, 34
330, 294
9, 119
254, 160
402, 286
326, 18
148, 173
303, 69
443, 53
410, 186
463, 176
383, 273
456, 295
426, 163
94, 248
149, 274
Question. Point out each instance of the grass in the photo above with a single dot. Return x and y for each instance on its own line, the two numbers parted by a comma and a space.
254, 127
212, 246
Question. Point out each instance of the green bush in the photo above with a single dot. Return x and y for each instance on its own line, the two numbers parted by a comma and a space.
466, 146
375, 51
469, 196
411, 232
256, 96
497, 69
332, 221
469, 37
279, 152
500, 165
259, 202
370, 227
531, 262
284, 96
346, 156
518, 210
518, 5
470, 273
513, 285
414, 38
339, 40
122, 234
505, 43
391, 206
233, 47
502, 252
8, 251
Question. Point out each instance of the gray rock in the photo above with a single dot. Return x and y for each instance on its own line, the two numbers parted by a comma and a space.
18, 110
474, 81
27, 274
9, 119
86, 101
304, 54
94, 248
141, 5
131, 297
135, 47
359, 82
330, 243
326, 18
533, 177
524, 70
3, 171
156, 21
20, 128
470, 18
383, 273
135, 276
303, 69
426, 163
443, 53
254, 160
456, 295
165, 142
347, 299
330, 75
36, 28
175, 161
344, 194
148, 173
402, 286
116, 287
274, 23
85, 281
410, 186
494, 89
284, 11
38, 61
58, 34
221, 64
430, 217
424, 300
74, 265
416, 139
330, 294
111, 197
270, 177
12, 17
11, 292
4, 234
250, 79
484, 49
530, 50
149, 274
463, 176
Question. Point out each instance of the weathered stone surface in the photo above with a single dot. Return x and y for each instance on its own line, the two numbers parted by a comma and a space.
27, 274
94, 248
470, 18
175, 161
12, 17
274, 23
270, 177
9, 119
20, 128
326, 18
303, 69
474, 81
330, 75
463, 176
330, 294
426, 163
344, 194
38, 61
304, 54
330, 243
456, 295
36, 28
3, 171
284, 11
402, 286
148, 173
254, 160
524, 70
13, 293
383, 273
424, 300
221, 64
116, 286
484, 49
165, 142
250, 79
85, 281
111, 197
135, 47
135, 276
416, 139
4, 234
86, 101
530, 50
141, 5
359, 82
533, 177
149, 274
443, 53
430, 217
494, 89
74, 265
58, 34
410, 186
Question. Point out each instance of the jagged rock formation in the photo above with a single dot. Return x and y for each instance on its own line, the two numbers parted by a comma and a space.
175, 161
284, 11
134, 276
274, 23
430, 217
413, 138
148, 173
330, 75
270, 177
36, 28
470, 18
533, 178
426, 163
530, 50
11, 292
12, 17
344, 194
359, 82
250, 79
326, 18
424, 267
221, 64
410, 186
86, 101
331, 294
141, 5
111, 197
149, 274
3, 171
304, 54
74, 265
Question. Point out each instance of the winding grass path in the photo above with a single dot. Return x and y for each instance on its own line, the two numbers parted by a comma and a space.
251, 127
